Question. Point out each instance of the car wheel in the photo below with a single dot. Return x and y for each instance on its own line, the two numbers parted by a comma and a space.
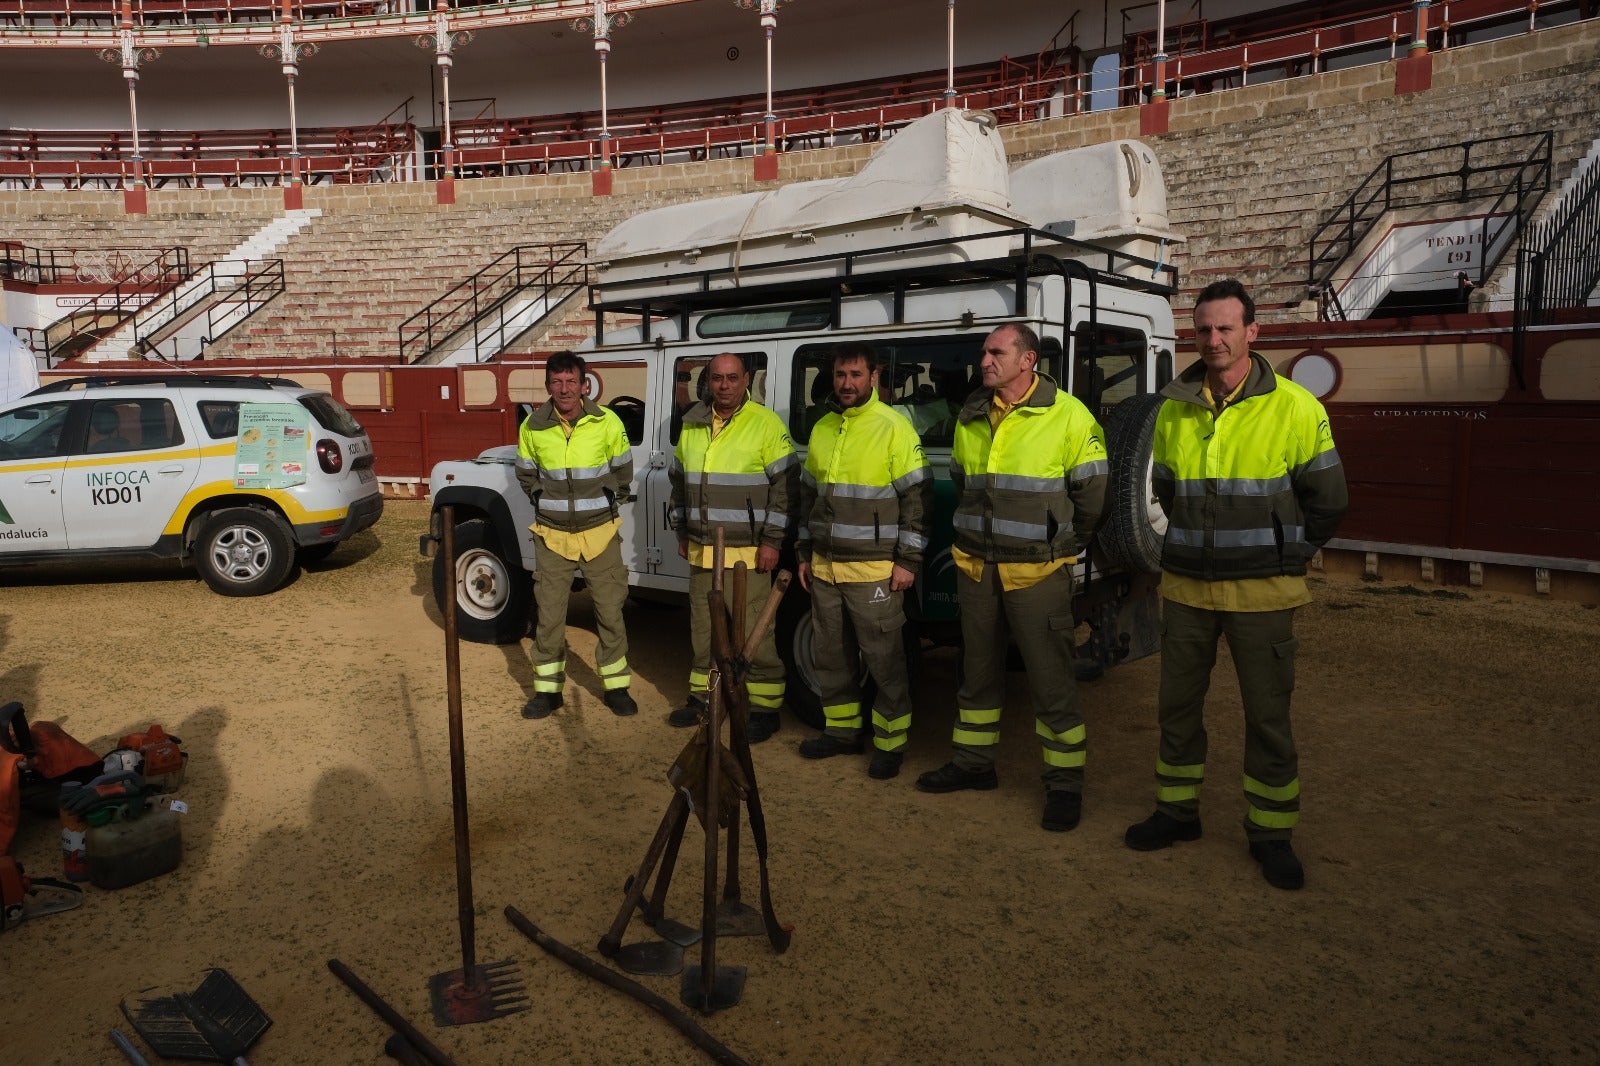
1135, 525
242, 551
494, 594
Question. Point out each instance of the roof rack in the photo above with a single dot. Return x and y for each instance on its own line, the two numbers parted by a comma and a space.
169, 381
1038, 248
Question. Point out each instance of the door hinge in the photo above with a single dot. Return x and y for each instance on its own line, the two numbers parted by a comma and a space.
653, 556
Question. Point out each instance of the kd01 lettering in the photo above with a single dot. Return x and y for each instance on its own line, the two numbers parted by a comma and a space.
117, 486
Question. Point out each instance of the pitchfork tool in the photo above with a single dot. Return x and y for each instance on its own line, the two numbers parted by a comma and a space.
474, 993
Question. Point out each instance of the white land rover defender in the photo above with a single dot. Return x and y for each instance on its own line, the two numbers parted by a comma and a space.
920, 254
240, 476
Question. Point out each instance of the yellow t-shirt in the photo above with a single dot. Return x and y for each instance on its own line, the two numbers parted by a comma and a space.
1013, 576
1243, 595
847, 573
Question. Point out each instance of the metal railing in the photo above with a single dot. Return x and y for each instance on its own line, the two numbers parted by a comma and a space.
1559, 265
1515, 175
135, 284
486, 305
241, 289
97, 266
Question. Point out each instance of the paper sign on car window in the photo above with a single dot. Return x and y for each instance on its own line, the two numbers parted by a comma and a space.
273, 443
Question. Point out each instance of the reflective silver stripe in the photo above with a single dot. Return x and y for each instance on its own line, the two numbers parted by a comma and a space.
1026, 530
1185, 538
577, 473
1024, 483
908, 539
1323, 461
804, 532
1246, 538
679, 515
840, 531
525, 463
677, 467
587, 503
781, 521
1234, 486
807, 478
736, 480
1093, 468
860, 492
779, 465
735, 514
956, 468
1023, 530
976, 482
914, 477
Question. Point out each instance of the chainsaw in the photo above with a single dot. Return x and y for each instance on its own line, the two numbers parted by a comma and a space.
23, 897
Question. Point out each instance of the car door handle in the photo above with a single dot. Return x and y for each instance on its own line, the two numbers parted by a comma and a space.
41, 479
170, 470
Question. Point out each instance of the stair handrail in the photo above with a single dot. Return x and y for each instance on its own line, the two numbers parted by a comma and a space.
169, 268
1562, 252
484, 294
258, 279
1344, 227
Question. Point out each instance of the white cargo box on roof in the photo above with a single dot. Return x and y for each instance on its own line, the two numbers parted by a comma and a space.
943, 176
1111, 195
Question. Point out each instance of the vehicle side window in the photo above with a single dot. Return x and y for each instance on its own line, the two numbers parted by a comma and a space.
34, 432
1108, 365
110, 424
927, 379
690, 383
220, 417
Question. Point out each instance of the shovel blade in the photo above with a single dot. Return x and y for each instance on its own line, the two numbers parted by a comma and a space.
489, 991
739, 919
685, 936
727, 988
650, 958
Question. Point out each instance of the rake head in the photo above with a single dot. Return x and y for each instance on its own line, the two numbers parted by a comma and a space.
491, 990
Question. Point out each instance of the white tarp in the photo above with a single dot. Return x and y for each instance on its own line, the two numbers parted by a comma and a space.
19, 371
950, 161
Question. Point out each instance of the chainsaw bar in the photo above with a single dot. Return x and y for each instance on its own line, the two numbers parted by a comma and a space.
40, 896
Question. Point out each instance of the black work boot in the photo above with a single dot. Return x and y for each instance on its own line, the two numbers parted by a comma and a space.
542, 704
1160, 830
1278, 864
621, 704
885, 764
688, 715
826, 746
952, 778
761, 726
1062, 810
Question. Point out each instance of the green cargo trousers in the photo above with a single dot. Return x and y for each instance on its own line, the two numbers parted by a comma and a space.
607, 578
1262, 644
859, 622
1039, 619
764, 682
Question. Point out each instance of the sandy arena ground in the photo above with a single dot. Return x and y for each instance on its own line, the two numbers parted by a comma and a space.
1448, 744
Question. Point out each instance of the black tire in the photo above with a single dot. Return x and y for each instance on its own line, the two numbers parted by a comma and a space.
1130, 538
242, 551
494, 594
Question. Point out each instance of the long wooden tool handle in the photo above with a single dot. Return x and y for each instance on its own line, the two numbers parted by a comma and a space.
708, 898
768, 615
719, 557
613, 939
680, 1021
393, 1018
465, 914
669, 863
741, 592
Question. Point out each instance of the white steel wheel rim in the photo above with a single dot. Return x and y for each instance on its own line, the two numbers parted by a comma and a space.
482, 585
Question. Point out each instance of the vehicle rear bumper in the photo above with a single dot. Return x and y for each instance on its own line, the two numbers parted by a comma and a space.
363, 514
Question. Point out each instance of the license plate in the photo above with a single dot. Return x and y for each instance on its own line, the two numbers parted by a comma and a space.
366, 475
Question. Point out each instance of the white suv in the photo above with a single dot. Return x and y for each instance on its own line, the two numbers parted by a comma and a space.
240, 476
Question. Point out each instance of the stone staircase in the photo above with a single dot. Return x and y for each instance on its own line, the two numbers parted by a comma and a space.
353, 278
1248, 201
